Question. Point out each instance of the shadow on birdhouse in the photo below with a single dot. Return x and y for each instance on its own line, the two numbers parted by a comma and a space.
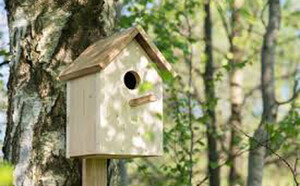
108, 116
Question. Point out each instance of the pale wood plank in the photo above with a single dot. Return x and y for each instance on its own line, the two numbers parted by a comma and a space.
118, 156
82, 114
68, 120
102, 124
152, 51
94, 172
142, 100
99, 55
125, 130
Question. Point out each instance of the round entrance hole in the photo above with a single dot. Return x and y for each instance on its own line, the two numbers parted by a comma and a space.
131, 80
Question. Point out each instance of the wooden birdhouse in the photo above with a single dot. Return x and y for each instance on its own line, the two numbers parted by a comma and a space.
115, 98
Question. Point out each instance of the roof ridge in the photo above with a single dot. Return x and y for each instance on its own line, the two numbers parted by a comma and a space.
99, 55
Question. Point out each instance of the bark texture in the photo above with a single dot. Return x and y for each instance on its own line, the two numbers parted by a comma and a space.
268, 56
123, 178
236, 91
117, 173
46, 35
213, 157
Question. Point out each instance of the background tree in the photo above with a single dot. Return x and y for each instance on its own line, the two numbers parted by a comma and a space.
236, 88
268, 56
211, 101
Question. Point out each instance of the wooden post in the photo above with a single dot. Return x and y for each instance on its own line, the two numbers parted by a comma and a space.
94, 172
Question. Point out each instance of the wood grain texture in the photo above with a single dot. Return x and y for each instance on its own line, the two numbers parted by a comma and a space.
50, 36
100, 121
152, 51
116, 156
82, 114
142, 100
94, 172
100, 54
125, 130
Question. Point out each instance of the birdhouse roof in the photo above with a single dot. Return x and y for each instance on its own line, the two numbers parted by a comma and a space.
100, 54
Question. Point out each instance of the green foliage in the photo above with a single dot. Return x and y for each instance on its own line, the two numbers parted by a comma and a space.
6, 178
145, 86
164, 21
286, 134
167, 24
177, 142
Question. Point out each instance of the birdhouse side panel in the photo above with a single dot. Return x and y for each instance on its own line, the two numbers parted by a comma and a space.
83, 115
131, 104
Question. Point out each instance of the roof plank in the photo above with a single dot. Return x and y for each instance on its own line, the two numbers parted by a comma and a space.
97, 56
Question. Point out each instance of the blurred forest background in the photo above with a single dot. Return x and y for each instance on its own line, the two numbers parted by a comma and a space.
231, 117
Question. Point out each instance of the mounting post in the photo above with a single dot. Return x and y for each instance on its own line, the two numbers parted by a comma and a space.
94, 172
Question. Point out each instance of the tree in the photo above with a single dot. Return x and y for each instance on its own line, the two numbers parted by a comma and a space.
44, 37
258, 149
211, 131
236, 89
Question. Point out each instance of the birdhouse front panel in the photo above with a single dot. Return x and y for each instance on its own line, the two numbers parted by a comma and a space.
131, 105
117, 112
115, 98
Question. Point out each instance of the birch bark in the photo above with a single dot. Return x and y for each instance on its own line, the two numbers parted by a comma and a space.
211, 131
268, 58
45, 36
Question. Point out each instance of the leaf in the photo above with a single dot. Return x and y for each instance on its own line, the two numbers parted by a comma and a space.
213, 165
159, 116
6, 176
166, 76
149, 136
145, 87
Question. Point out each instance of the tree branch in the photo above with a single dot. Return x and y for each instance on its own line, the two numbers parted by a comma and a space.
296, 92
262, 14
272, 151
223, 19
4, 63
260, 144
286, 76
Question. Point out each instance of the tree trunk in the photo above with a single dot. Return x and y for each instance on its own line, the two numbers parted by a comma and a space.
268, 56
236, 92
213, 157
46, 35
123, 178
